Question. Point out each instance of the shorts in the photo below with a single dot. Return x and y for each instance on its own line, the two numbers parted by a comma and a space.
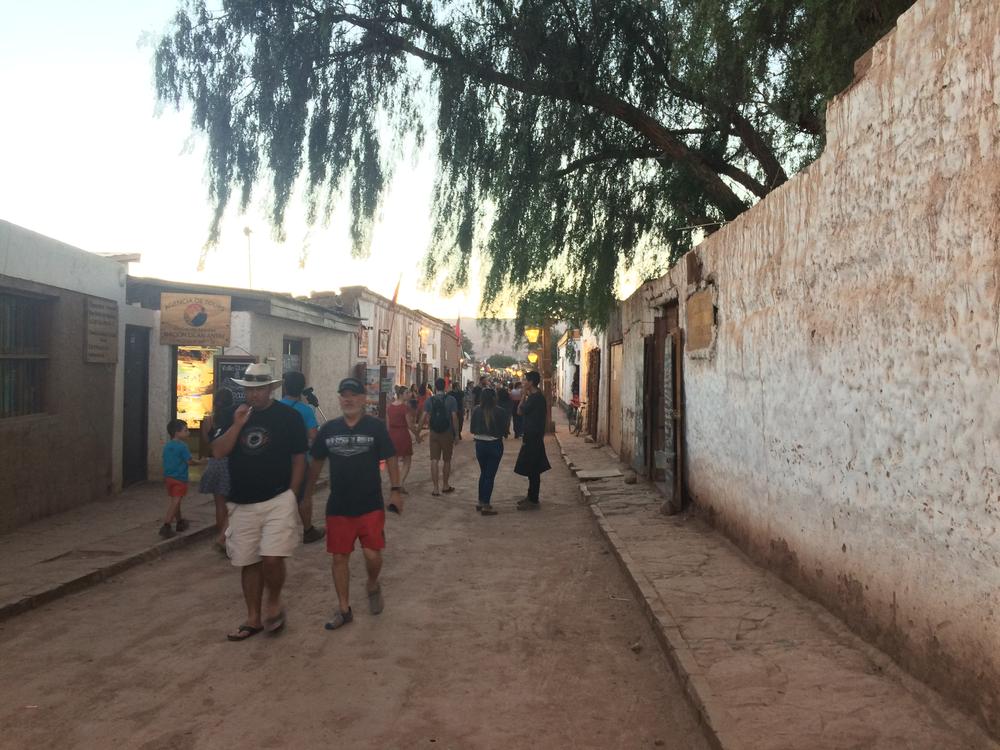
442, 445
341, 531
176, 488
266, 529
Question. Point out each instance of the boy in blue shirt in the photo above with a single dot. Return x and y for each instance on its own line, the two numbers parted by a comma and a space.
176, 459
294, 385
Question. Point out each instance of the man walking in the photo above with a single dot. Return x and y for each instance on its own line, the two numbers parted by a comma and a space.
441, 415
294, 383
531, 460
354, 444
266, 447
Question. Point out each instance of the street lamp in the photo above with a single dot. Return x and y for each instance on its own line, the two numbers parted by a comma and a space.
248, 231
533, 357
532, 334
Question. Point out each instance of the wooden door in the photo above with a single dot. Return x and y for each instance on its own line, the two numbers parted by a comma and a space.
593, 390
615, 400
135, 415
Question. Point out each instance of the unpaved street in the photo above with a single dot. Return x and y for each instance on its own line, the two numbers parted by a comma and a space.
513, 631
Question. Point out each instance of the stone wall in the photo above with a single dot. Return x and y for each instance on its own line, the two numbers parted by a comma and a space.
843, 424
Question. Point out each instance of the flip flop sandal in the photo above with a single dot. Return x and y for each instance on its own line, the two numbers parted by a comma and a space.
435, 494
448, 489
274, 625
243, 632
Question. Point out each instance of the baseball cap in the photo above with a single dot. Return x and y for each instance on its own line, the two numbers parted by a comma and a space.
350, 384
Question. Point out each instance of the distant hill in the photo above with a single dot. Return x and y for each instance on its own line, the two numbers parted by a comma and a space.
492, 336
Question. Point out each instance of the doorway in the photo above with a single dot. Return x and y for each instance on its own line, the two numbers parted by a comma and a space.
593, 390
615, 400
671, 458
135, 413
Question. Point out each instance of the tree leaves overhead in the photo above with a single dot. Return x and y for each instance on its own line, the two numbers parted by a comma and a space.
569, 133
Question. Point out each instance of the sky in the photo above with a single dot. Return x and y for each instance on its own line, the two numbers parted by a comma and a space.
88, 158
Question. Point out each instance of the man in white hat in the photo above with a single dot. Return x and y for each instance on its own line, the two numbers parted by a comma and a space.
266, 446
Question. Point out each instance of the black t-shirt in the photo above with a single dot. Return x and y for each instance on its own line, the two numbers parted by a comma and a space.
354, 454
533, 411
260, 466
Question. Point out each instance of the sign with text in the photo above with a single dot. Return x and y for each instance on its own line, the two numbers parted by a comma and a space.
195, 319
700, 319
101, 344
363, 342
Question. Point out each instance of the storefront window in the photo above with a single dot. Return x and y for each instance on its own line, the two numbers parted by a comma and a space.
195, 383
291, 356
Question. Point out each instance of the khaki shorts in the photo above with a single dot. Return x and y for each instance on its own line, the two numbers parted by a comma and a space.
267, 529
442, 445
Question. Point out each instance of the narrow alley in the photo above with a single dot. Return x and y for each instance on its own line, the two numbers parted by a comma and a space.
513, 631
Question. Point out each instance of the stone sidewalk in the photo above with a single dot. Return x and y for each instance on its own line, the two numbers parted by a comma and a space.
58, 555
766, 668
80, 547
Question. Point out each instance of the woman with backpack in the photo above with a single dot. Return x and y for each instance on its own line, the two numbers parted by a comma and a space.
489, 425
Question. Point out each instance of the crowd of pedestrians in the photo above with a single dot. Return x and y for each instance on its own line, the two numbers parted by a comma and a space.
267, 456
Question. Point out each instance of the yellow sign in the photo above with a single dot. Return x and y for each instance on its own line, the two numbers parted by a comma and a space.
194, 319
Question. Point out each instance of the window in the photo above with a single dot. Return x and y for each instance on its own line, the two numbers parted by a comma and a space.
291, 356
22, 355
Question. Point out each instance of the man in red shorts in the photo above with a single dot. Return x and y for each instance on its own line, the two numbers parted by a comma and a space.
354, 444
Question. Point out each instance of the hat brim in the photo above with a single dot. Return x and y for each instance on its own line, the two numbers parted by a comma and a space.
255, 383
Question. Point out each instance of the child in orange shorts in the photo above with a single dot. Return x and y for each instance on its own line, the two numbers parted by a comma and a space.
176, 459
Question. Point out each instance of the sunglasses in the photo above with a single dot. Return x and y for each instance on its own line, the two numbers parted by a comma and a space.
258, 378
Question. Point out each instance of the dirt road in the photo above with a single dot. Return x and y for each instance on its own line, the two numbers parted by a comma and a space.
515, 631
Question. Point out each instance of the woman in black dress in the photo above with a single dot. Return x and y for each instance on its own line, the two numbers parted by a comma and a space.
532, 461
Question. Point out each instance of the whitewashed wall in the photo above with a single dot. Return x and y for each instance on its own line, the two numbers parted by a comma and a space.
844, 427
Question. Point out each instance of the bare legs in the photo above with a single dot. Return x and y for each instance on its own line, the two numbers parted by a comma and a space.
221, 518
341, 567
268, 574
404, 469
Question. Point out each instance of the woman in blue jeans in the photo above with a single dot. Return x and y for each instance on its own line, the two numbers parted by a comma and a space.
488, 425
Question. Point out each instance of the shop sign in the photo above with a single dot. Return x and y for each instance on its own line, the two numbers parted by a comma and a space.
195, 319
363, 342
101, 345
383, 343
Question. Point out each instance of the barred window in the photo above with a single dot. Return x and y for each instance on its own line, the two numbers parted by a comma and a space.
23, 355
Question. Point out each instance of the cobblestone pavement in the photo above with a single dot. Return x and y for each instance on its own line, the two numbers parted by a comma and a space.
768, 669
516, 631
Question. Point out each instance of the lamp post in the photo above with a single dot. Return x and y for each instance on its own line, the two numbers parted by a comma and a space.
247, 231
533, 334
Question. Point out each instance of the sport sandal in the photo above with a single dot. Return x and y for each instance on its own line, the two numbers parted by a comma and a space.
340, 619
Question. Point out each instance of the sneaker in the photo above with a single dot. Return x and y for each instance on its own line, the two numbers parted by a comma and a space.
375, 601
340, 619
312, 534
479, 507
488, 510
166, 532
527, 504
182, 525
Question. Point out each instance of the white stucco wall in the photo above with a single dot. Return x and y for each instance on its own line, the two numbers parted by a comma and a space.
34, 257
326, 355
845, 426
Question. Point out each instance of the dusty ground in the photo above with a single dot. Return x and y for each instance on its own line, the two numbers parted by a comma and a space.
512, 631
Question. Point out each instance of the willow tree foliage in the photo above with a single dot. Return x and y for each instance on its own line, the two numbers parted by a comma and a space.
573, 137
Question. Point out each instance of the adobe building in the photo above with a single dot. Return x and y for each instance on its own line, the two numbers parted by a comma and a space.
60, 346
200, 338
